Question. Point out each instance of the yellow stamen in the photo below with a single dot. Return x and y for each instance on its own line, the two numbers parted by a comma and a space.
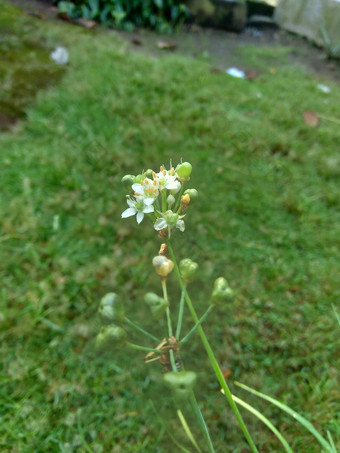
154, 175
161, 167
164, 172
172, 171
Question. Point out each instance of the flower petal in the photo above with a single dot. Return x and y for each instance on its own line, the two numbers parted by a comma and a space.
137, 188
180, 225
160, 224
130, 202
148, 201
148, 209
140, 216
128, 212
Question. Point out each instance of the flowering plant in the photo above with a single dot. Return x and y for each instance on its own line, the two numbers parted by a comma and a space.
162, 198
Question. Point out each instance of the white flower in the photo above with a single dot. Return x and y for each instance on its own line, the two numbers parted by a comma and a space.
167, 179
169, 220
147, 188
139, 206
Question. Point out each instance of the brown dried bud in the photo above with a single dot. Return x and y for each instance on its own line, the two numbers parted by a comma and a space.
164, 250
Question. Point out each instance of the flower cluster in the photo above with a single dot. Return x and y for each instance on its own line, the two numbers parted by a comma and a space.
161, 196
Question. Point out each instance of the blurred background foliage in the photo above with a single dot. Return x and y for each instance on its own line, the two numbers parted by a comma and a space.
160, 15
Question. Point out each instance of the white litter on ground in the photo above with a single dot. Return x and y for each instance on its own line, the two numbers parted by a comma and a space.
324, 88
235, 72
60, 55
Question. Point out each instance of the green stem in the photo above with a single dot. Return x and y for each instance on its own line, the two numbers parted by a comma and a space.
212, 357
180, 313
171, 352
143, 348
186, 338
179, 196
163, 200
135, 326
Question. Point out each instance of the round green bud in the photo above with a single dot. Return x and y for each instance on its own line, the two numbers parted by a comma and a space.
111, 309
163, 266
222, 293
193, 194
148, 173
128, 180
111, 337
171, 218
157, 304
184, 170
181, 383
188, 269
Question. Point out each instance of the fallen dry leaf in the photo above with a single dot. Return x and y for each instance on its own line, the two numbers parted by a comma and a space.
87, 23
311, 118
251, 74
136, 41
166, 45
215, 71
227, 373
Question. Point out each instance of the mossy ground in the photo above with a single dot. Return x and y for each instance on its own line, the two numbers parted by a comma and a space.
267, 219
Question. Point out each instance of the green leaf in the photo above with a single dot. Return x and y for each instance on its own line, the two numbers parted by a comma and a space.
264, 420
303, 421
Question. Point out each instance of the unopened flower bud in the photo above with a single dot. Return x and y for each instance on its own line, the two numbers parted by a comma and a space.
188, 269
193, 194
222, 293
139, 178
157, 304
162, 265
111, 309
184, 170
181, 383
170, 200
148, 173
111, 337
128, 180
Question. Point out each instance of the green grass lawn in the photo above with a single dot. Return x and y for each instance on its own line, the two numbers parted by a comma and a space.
268, 219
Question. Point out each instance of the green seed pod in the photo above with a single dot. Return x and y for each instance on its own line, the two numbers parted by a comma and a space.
157, 304
111, 337
193, 194
162, 265
148, 173
128, 180
188, 269
171, 218
181, 383
222, 293
184, 170
111, 309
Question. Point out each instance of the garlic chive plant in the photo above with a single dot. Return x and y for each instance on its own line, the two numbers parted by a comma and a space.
163, 199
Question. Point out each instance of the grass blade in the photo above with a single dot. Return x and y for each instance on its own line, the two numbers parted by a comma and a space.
303, 421
187, 430
264, 420
331, 441
336, 314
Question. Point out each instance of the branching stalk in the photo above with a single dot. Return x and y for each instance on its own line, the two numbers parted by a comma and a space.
212, 357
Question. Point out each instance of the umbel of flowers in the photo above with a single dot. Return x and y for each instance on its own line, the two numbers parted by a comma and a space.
161, 197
